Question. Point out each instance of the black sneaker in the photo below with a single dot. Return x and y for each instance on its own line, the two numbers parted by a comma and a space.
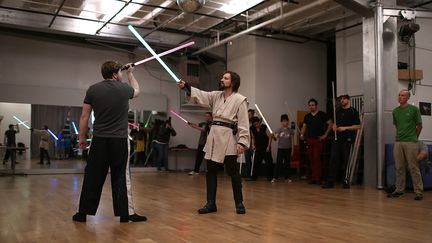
79, 217
134, 218
418, 196
346, 185
240, 208
327, 185
208, 208
395, 194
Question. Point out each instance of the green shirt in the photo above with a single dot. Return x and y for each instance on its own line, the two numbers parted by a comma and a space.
406, 119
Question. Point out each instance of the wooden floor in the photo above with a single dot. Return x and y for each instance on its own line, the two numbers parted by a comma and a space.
39, 208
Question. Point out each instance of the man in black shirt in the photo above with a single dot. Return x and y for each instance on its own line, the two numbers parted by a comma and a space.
109, 99
161, 144
346, 126
316, 127
10, 141
261, 141
204, 128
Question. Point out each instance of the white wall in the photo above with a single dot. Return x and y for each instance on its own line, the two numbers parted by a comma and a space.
242, 59
40, 71
279, 76
288, 75
22, 112
349, 61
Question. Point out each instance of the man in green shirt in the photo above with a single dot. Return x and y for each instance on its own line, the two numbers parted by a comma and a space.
408, 123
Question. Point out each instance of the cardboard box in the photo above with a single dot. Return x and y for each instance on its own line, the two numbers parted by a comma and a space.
404, 74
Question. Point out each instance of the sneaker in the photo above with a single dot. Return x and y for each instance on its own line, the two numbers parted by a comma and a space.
273, 180
395, 194
288, 180
327, 185
346, 185
134, 218
418, 196
192, 173
240, 208
79, 217
208, 208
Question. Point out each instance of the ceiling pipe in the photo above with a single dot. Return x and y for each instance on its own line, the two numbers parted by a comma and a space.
57, 12
258, 26
103, 26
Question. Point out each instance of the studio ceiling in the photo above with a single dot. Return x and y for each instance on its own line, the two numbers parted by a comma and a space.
161, 22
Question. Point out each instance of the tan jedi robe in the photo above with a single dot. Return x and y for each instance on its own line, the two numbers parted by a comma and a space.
221, 141
44, 137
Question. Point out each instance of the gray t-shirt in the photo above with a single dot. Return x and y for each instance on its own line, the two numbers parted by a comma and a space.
109, 100
284, 138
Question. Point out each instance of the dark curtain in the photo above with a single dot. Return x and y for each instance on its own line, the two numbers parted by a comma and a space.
55, 118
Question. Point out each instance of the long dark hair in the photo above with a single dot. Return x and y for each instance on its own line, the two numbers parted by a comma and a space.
235, 80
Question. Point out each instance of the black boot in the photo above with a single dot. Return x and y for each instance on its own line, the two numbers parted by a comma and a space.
240, 208
79, 217
210, 207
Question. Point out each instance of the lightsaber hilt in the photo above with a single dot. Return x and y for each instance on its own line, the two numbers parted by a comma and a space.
124, 67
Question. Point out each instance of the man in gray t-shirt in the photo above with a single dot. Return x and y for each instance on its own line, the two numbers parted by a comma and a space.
285, 137
109, 99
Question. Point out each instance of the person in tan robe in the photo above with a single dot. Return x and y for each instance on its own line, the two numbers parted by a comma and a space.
228, 137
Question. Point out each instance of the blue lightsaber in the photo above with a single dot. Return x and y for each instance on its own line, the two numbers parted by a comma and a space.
21, 122
52, 134
138, 36
75, 128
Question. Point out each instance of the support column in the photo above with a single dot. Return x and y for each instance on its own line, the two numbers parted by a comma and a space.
380, 90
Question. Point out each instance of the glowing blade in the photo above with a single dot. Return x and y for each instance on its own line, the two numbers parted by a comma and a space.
177, 115
75, 128
265, 121
53, 135
148, 120
138, 36
164, 53
21, 122
133, 125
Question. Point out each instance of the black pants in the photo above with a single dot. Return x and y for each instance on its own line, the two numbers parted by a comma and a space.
112, 153
140, 158
8, 152
42, 153
283, 160
199, 158
260, 155
340, 152
248, 159
232, 169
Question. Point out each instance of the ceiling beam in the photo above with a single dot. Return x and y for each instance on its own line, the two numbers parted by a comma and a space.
312, 5
360, 7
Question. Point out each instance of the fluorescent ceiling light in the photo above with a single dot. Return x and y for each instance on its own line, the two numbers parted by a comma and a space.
236, 7
104, 10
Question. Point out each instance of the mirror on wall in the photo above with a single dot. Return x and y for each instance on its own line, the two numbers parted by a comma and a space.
63, 125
